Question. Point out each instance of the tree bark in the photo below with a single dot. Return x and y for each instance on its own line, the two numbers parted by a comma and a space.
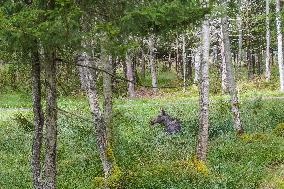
249, 62
230, 78
38, 121
152, 63
50, 122
267, 57
184, 62
98, 119
240, 31
202, 142
177, 55
197, 60
224, 74
279, 44
143, 65
189, 69
107, 88
130, 76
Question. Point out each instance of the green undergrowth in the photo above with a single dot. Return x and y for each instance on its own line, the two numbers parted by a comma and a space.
146, 157
15, 100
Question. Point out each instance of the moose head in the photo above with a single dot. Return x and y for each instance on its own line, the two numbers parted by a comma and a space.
160, 118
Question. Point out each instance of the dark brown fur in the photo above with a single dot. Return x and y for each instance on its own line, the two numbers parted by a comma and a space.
171, 125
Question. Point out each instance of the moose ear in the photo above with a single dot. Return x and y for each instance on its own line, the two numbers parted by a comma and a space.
163, 111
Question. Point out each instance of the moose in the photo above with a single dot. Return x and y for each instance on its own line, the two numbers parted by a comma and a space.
171, 125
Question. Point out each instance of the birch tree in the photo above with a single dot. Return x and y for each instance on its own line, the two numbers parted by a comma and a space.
279, 45
224, 73
85, 63
197, 64
202, 142
267, 57
240, 32
152, 63
130, 77
184, 62
227, 61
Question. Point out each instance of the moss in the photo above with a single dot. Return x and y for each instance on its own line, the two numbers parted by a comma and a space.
200, 166
99, 182
193, 163
279, 130
112, 181
114, 177
253, 137
109, 153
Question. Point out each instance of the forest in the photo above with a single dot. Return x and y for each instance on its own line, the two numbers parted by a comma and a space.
152, 94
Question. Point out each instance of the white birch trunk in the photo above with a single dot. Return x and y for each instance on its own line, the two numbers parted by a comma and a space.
230, 78
197, 60
267, 57
130, 77
152, 63
184, 62
89, 81
240, 31
279, 44
202, 142
224, 79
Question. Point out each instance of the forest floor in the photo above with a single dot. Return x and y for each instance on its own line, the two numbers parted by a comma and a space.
147, 157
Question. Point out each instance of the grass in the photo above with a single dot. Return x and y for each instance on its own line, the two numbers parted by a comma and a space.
147, 157
15, 100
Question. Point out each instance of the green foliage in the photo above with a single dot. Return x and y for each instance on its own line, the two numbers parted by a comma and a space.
23, 122
15, 100
14, 77
279, 130
158, 16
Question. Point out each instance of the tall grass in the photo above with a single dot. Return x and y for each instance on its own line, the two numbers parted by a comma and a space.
149, 158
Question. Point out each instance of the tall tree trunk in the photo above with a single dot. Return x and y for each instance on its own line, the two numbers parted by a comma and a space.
152, 63
258, 60
115, 64
267, 57
272, 57
130, 75
240, 31
253, 63
98, 119
197, 60
38, 121
107, 88
50, 122
184, 62
189, 69
177, 55
143, 65
224, 74
279, 44
231, 81
249, 62
202, 142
